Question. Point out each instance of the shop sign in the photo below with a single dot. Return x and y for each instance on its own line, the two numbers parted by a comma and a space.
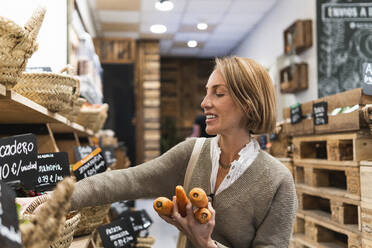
52, 168
18, 159
90, 165
118, 233
10, 236
109, 154
83, 151
296, 114
320, 113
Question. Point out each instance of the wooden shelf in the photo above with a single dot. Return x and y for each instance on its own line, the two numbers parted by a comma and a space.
17, 109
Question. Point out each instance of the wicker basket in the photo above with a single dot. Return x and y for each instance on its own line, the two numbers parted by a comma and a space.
93, 118
74, 112
91, 218
65, 238
54, 91
17, 44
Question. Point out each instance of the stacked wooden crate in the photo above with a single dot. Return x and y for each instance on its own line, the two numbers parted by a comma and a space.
329, 177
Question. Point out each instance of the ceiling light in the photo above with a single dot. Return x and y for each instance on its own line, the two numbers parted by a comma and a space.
164, 5
158, 28
202, 26
192, 43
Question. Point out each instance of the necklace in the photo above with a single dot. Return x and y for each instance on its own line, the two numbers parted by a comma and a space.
224, 166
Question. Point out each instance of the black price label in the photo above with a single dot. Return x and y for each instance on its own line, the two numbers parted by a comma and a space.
18, 159
109, 155
320, 112
367, 73
296, 114
117, 209
83, 151
140, 220
118, 233
90, 165
10, 236
52, 168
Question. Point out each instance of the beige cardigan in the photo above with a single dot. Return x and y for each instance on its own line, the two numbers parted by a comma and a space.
257, 210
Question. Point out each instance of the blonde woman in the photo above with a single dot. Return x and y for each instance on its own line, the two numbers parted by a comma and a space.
253, 195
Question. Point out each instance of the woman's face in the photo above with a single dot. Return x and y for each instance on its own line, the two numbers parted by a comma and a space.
223, 114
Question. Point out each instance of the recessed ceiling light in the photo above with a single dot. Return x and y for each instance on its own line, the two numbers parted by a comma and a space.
158, 29
164, 5
202, 26
192, 43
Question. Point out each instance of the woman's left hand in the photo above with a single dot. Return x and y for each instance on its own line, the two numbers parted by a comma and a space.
198, 234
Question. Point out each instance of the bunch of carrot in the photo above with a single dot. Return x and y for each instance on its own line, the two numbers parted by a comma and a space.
198, 199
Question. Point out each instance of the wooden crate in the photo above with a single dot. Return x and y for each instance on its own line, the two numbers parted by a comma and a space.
366, 181
294, 78
344, 179
330, 206
343, 149
306, 126
298, 37
316, 233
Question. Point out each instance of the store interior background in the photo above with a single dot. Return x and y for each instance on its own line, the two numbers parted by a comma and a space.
263, 43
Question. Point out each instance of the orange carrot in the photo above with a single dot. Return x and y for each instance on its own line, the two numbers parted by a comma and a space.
203, 215
182, 200
163, 206
198, 198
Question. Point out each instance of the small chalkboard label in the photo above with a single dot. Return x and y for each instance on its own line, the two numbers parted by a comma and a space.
18, 159
10, 236
52, 168
320, 113
367, 73
83, 151
109, 155
90, 165
118, 233
296, 114
140, 220
117, 209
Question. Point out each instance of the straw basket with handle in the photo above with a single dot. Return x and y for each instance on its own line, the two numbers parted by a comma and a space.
93, 118
17, 44
72, 220
55, 91
91, 218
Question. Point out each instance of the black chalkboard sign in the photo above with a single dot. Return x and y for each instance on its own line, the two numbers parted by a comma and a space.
10, 236
109, 155
83, 151
296, 114
92, 164
344, 36
140, 220
52, 168
320, 113
18, 159
118, 233
117, 209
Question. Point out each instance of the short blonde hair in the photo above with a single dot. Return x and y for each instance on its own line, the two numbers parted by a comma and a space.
252, 89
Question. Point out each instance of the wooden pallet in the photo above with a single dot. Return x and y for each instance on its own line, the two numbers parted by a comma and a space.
343, 178
317, 233
345, 149
324, 204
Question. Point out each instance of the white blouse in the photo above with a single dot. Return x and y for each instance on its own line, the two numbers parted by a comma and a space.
246, 156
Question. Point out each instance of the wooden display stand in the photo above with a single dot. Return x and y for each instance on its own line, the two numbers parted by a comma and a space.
294, 78
298, 37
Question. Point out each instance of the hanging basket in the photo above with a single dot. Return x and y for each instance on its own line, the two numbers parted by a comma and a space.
17, 44
91, 218
54, 91
72, 220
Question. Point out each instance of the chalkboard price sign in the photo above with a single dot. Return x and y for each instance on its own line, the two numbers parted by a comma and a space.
140, 220
117, 209
52, 168
320, 112
90, 165
118, 233
83, 151
18, 159
109, 154
10, 237
296, 114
